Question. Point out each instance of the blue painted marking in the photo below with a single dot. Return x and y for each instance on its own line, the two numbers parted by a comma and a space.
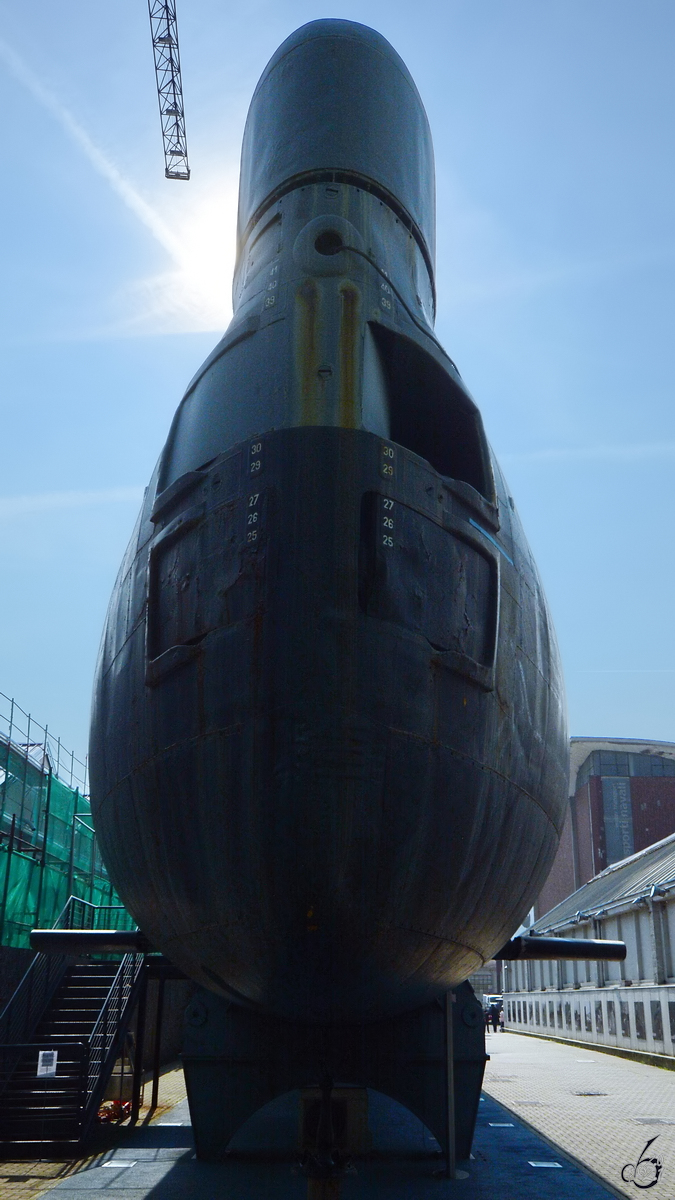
490, 539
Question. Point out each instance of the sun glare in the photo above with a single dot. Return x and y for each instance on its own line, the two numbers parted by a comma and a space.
194, 295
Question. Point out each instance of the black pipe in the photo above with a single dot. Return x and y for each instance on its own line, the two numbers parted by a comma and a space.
533, 946
158, 1046
137, 1084
88, 941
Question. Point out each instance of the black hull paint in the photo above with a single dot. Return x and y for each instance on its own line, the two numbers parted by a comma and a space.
313, 807
329, 752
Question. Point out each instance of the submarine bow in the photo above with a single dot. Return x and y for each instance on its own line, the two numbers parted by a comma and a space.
328, 748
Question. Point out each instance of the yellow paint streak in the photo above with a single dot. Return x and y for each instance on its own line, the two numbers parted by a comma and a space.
349, 346
307, 349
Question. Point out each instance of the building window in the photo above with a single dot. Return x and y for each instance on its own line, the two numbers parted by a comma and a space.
543, 1012
560, 1015
657, 1021
611, 1018
671, 1018
652, 765
568, 1015
599, 1026
531, 1017
577, 1018
536, 1012
612, 762
625, 1018
551, 1018
588, 1023
519, 1013
640, 1020
638, 946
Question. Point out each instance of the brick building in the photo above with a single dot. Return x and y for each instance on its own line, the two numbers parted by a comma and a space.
622, 799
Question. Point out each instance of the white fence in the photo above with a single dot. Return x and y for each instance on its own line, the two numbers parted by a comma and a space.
631, 1018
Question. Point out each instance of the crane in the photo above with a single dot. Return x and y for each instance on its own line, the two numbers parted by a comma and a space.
169, 87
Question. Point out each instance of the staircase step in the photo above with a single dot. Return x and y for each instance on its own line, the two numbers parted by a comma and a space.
30, 1084
90, 1001
43, 1112
38, 1131
77, 1024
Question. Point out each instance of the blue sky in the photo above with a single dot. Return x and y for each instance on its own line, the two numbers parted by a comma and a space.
553, 131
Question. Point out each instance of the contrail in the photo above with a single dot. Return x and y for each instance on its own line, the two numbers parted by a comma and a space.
125, 190
19, 506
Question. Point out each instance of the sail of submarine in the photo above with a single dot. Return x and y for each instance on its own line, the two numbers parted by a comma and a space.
328, 746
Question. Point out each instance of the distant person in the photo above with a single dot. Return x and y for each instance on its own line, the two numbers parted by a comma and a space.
501, 1021
493, 1016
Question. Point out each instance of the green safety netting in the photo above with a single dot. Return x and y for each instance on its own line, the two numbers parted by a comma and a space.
48, 849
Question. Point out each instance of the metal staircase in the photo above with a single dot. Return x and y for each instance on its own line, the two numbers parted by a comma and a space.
77, 1011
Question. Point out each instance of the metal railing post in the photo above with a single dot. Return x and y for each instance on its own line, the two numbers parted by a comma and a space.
43, 859
9, 744
5, 890
158, 1045
137, 1085
25, 770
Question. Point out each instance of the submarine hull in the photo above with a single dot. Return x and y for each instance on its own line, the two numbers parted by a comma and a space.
329, 749
326, 800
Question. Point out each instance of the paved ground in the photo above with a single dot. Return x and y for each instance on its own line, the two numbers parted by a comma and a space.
595, 1108
598, 1107
156, 1162
28, 1180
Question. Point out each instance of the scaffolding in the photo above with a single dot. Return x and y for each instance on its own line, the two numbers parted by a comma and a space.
48, 848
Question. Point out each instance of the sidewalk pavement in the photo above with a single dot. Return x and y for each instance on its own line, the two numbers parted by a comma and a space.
27, 1180
157, 1162
598, 1108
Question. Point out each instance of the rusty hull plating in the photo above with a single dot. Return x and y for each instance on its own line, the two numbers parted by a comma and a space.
329, 749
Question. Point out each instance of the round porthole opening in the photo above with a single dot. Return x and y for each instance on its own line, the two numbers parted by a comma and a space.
328, 242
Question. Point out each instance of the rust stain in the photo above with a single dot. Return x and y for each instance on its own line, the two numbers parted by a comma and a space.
349, 330
307, 349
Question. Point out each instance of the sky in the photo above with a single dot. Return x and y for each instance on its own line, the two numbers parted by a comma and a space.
553, 134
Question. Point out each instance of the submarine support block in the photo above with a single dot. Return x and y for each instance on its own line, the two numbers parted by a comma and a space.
431, 1060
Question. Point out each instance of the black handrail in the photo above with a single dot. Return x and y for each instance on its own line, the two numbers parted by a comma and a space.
23, 1010
110, 1027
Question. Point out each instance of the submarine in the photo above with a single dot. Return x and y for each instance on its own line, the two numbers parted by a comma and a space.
328, 745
